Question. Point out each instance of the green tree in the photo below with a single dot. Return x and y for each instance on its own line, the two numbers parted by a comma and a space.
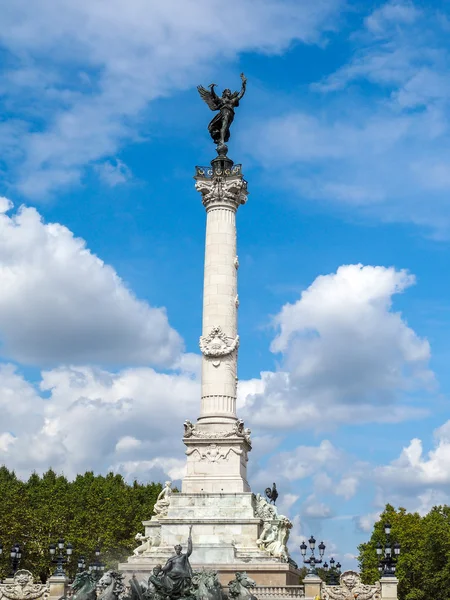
423, 567
93, 510
12, 514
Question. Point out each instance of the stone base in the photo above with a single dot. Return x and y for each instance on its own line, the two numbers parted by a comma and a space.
281, 574
224, 534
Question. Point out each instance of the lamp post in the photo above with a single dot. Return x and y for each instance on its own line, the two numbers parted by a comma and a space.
60, 560
15, 555
312, 561
81, 564
389, 555
333, 572
97, 567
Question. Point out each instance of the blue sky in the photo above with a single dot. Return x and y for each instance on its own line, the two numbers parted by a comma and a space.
343, 245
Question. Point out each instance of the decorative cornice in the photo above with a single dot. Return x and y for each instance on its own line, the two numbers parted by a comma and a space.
238, 431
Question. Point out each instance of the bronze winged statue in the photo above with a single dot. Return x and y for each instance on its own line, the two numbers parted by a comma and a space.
219, 128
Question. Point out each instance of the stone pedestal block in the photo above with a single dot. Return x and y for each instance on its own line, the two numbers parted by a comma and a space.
216, 464
312, 584
58, 586
389, 588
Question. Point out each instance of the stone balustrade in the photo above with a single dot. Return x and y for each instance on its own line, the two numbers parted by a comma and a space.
279, 592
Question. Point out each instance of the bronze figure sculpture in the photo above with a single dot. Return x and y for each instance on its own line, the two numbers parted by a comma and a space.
219, 127
174, 580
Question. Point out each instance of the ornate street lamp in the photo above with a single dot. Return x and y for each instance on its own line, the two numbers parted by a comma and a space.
333, 573
97, 568
81, 565
15, 555
60, 560
389, 555
312, 561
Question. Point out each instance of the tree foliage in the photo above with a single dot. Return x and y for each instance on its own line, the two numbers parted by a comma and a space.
89, 511
423, 567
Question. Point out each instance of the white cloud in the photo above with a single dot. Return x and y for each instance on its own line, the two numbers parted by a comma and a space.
156, 469
346, 355
314, 508
6, 441
376, 138
304, 461
416, 480
415, 470
114, 172
287, 502
89, 70
129, 421
60, 303
127, 443
366, 522
21, 408
347, 486
391, 14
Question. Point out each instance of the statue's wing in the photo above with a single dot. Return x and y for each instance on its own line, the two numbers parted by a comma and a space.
209, 98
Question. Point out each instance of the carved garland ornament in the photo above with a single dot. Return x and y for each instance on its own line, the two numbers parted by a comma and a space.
213, 452
217, 344
238, 431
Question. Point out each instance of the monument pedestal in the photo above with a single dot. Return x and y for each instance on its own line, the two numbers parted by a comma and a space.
225, 528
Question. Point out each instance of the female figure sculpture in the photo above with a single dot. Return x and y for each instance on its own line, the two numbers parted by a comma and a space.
219, 128
162, 502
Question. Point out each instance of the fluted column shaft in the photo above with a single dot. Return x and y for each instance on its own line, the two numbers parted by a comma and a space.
219, 341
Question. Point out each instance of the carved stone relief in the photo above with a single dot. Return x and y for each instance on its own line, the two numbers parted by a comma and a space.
24, 588
217, 344
213, 452
350, 588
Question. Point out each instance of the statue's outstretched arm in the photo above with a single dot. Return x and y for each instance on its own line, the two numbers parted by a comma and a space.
243, 88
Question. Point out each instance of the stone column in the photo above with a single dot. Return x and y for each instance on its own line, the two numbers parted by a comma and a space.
219, 342
218, 444
389, 588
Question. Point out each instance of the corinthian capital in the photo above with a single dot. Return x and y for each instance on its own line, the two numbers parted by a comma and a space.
226, 192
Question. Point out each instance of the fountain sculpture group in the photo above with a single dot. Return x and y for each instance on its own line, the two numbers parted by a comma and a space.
176, 580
